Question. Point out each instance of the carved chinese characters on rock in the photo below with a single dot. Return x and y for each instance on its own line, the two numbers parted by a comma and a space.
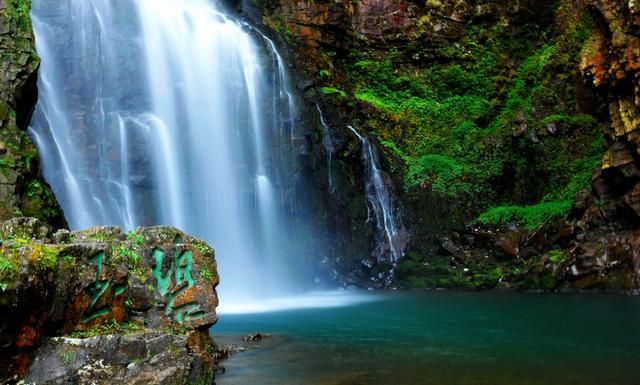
97, 290
175, 285
170, 282
100, 297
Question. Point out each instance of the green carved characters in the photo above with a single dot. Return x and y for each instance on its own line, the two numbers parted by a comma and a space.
180, 275
172, 284
96, 290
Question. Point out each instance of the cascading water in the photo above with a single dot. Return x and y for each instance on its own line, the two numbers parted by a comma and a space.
329, 147
170, 112
391, 233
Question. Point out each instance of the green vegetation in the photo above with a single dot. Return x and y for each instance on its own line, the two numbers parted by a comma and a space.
528, 216
333, 91
68, 356
41, 257
128, 251
135, 238
17, 13
178, 330
202, 247
128, 304
112, 327
557, 257
441, 173
494, 127
278, 24
121, 253
20, 161
206, 274
8, 271
101, 236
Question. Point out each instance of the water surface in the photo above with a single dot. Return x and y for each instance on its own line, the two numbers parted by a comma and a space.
443, 338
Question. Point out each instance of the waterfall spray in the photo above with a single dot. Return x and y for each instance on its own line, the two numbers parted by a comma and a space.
169, 112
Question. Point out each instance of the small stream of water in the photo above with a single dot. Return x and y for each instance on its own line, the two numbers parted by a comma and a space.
391, 234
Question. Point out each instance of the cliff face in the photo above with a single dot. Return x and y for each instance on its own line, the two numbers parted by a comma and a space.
323, 27
22, 190
611, 61
486, 112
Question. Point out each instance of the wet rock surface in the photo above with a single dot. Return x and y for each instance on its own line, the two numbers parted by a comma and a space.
567, 256
149, 358
22, 189
101, 281
611, 62
594, 66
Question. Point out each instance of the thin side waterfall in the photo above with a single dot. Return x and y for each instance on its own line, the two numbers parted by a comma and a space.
329, 147
391, 233
170, 112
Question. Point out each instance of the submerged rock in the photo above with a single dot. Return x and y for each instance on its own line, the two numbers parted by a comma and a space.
255, 337
101, 281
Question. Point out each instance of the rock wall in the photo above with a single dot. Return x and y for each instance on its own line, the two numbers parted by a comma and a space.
324, 27
22, 189
388, 66
611, 62
103, 281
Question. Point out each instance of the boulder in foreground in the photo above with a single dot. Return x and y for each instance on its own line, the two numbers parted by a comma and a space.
119, 299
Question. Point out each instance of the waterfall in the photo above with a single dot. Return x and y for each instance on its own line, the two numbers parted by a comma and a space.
329, 147
391, 233
170, 112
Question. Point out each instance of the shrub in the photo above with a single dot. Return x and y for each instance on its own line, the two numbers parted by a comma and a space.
527, 216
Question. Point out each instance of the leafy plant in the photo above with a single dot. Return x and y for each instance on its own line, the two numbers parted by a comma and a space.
131, 256
206, 274
136, 238
528, 216
557, 256
108, 328
333, 91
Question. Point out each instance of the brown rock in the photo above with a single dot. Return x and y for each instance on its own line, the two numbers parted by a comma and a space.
611, 60
511, 242
617, 156
142, 358
158, 277
632, 199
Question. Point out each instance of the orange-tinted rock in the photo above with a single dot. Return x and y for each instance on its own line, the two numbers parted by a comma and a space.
156, 277
617, 156
611, 60
382, 24
511, 241
380, 19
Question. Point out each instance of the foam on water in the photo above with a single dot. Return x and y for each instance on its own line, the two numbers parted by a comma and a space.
312, 300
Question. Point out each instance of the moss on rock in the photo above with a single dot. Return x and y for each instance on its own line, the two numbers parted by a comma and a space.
23, 192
